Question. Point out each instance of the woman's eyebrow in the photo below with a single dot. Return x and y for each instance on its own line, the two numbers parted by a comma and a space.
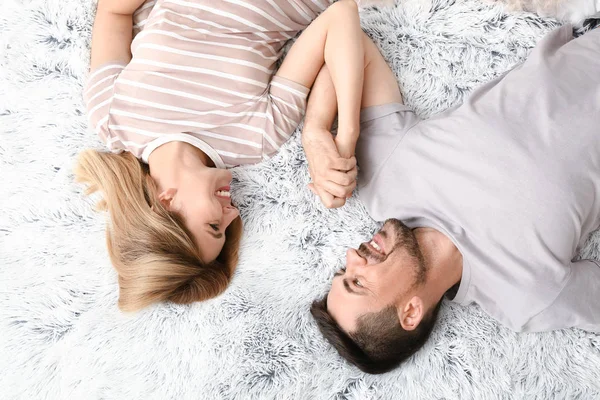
215, 235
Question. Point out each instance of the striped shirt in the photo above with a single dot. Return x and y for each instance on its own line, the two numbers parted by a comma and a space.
202, 72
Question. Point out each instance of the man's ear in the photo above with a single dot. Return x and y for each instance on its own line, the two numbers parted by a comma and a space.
166, 198
411, 314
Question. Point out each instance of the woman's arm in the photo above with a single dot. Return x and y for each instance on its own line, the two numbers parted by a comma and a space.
334, 38
112, 32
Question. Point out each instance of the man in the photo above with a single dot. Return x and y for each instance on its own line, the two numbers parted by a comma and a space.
496, 197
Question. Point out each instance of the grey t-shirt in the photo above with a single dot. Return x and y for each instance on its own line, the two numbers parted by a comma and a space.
511, 176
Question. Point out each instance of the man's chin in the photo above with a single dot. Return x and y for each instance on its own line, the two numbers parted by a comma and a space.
395, 225
397, 231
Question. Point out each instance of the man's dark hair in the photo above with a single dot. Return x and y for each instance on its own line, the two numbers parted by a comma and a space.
379, 343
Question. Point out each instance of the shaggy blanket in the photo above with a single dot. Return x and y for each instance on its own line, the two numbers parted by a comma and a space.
61, 334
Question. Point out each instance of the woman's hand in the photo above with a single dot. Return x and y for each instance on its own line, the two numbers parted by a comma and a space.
333, 176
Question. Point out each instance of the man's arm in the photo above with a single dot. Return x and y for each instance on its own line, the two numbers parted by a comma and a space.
577, 305
112, 31
379, 87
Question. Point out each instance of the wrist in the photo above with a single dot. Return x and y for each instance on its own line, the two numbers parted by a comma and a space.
348, 132
316, 124
348, 138
346, 146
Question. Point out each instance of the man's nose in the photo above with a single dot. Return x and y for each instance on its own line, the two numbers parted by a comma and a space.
354, 260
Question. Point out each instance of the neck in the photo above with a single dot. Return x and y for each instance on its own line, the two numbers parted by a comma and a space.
443, 262
168, 162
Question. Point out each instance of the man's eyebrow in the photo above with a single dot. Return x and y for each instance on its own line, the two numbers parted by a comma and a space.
349, 289
216, 235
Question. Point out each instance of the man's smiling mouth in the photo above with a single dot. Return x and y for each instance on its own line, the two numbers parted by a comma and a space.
375, 247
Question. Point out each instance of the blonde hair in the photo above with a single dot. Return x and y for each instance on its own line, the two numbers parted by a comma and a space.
153, 252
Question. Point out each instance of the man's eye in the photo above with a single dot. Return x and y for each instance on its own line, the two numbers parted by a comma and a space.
215, 227
357, 283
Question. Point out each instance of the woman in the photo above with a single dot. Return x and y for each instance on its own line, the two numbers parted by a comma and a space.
196, 95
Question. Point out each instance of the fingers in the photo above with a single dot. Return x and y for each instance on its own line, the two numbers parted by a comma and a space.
331, 194
328, 200
338, 183
331, 201
333, 177
335, 203
338, 190
343, 164
342, 178
333, 186
354, 172
350, 188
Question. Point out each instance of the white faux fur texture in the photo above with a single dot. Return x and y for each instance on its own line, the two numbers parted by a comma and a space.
61, 335
573, 11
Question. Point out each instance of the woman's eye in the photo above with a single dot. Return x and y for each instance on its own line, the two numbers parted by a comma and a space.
357, 283
215, 227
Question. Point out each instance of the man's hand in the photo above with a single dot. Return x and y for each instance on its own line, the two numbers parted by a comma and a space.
333, 176
345, 143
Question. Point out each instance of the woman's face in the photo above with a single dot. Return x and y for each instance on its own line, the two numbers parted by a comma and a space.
204, 201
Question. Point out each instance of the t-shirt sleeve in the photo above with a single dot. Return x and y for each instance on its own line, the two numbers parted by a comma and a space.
285, 110
577, 305
381, 129
98, 96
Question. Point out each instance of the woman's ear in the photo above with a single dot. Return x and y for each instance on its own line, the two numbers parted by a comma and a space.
411, 314
166, 198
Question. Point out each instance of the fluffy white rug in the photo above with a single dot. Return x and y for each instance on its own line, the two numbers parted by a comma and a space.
61, 335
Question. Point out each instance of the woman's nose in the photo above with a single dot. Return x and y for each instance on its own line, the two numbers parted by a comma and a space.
354, 260
229, 214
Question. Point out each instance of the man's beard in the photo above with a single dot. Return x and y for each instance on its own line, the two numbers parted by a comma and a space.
404, 241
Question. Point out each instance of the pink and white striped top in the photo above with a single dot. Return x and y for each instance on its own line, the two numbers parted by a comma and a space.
202, 72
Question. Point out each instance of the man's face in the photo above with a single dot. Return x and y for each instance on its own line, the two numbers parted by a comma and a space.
378, 274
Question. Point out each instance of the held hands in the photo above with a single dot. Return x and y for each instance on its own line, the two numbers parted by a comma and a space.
333, 176
345, 145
